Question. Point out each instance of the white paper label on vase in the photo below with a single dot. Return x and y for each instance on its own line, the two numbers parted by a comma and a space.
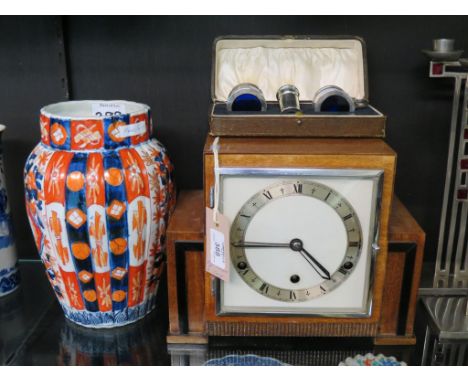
125, 131
107, 109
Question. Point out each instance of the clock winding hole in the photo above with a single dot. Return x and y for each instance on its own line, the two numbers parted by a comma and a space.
295, 279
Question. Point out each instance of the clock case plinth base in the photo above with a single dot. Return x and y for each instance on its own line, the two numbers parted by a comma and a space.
290, 329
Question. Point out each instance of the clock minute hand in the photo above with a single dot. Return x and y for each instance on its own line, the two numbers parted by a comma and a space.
296, 245
254, 244
324, 274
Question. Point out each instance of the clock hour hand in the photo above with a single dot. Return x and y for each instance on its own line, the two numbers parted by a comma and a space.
255, 244
296, 245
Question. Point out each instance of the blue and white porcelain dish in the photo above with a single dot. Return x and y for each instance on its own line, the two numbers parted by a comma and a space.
244, 360
371, 360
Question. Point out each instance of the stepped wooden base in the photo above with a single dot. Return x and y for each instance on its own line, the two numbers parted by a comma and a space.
185, 264
394, 340
187, 339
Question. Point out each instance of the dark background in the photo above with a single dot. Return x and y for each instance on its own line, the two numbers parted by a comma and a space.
165, 62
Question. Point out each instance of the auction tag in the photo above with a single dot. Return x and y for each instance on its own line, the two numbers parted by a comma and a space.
108, 109
217, 244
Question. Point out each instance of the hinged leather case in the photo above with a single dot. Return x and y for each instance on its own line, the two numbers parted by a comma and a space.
309, 63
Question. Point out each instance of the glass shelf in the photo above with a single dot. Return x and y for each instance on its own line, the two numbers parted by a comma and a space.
33, 331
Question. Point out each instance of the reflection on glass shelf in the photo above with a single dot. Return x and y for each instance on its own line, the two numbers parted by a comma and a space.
129, 345
13, 324
291, 351
446, 336
443, 353
22, 310
448, 315
34, 331
57, 341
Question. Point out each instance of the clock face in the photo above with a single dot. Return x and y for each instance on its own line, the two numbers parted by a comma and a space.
301, 240
315, 271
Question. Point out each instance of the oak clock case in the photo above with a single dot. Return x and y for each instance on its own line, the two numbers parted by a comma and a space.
303, 241
341, 165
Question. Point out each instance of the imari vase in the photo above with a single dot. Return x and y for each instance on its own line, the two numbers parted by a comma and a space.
98, 196
9, 276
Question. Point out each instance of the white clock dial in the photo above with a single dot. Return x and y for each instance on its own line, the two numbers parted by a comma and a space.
338, 219
295, 240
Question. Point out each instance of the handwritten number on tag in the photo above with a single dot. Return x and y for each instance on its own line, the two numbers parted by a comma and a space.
217, 244
217, 248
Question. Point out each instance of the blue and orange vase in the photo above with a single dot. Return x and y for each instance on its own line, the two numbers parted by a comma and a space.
9, 275
99, 192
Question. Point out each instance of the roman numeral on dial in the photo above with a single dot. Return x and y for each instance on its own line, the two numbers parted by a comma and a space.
267, 194
298, 188
264, 288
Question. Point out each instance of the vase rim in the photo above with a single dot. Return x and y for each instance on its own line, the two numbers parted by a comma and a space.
94, 124
83, 109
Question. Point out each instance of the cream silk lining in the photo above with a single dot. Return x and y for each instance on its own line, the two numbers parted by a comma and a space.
307, 68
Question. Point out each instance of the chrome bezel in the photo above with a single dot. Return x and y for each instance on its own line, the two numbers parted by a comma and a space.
372, 248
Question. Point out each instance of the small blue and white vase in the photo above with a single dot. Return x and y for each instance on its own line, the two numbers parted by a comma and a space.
9, 275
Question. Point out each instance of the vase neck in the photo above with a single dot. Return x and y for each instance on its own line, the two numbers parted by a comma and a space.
65, 126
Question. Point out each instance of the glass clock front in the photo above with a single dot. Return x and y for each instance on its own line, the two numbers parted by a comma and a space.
302, 240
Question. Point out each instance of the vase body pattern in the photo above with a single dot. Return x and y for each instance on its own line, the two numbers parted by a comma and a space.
98, 194
9, 275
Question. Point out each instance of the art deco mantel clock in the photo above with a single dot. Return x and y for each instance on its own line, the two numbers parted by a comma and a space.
308, 235
307, 196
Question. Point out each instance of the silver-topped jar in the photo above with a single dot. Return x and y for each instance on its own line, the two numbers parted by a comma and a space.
332, 98
246, 97
288, 98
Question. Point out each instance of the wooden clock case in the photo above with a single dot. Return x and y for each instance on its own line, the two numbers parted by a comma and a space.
302, 153
192, 305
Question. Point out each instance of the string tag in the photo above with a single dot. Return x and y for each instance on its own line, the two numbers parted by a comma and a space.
217, 230
217, 243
